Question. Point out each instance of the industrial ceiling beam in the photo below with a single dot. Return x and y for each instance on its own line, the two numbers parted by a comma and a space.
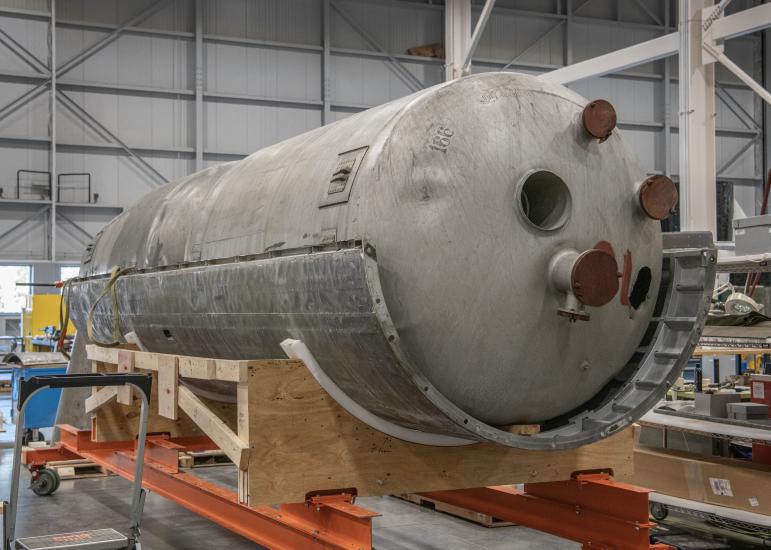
618, 60
23, 53
79, 58
21, 223
100, 128
697, 121
77, 226
402, 72
655, 18
731, 26
476, 36
457, 35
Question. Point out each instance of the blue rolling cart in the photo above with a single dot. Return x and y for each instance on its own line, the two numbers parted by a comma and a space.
41, 410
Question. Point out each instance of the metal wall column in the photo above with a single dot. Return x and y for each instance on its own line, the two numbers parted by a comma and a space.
326, 65
697, 123
766, 53
457, 36
52, 127
198, 84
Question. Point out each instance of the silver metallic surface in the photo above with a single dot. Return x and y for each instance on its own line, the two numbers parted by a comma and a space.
464, 334
35, 358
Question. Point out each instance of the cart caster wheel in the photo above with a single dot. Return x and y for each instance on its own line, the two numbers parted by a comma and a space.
44, 482
30, 436
659, 511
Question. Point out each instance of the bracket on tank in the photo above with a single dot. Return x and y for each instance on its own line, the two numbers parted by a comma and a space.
332, 300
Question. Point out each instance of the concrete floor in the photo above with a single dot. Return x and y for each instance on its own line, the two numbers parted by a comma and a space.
104, 502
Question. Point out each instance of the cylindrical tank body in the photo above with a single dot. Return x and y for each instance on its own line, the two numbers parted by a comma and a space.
468, 191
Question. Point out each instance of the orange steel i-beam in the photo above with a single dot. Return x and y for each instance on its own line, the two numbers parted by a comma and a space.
590, 508
322, 522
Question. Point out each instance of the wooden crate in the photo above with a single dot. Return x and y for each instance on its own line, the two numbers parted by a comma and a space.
288, 437
77, 469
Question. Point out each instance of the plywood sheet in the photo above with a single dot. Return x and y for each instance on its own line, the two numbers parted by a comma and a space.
302, 441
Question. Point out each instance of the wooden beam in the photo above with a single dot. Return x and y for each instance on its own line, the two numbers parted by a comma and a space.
242, 419
203, 368
168, 382
100, 398
197, 367
214, 427
125, 364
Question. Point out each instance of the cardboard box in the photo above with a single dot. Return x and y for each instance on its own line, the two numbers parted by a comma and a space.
719, 481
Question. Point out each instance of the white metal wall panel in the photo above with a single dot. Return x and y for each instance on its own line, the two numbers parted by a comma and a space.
267, 55
297, 21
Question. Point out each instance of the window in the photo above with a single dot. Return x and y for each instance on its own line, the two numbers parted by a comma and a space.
14, 298
68, 272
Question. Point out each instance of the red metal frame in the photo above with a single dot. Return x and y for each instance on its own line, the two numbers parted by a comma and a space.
590, 508
323, 522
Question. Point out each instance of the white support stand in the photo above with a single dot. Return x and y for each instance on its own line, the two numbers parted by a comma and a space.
457, 36
697, 122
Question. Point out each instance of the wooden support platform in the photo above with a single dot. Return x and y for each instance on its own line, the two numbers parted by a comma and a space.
203, 459
289, 438
77, 469
485, 520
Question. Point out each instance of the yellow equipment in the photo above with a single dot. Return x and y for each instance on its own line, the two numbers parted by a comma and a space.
44, 312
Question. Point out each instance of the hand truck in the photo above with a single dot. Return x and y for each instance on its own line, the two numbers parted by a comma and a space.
98, 539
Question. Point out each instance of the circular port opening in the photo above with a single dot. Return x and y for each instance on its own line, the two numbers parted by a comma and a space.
545, 200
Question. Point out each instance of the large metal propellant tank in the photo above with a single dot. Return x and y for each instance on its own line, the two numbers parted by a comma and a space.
483, 253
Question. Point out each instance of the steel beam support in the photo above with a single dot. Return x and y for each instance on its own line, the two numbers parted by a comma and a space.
52, 124
616, 61
736, 108
476, 36
73, 62
591, 509
112, 37
697, 122
322, 523
457, 35
326, 63
404, 74
649, 13
86, 117
29, 218
667, 85
22, 53
199, 84
766, 109
736, 156
533, 44
77, 226
731, 26
567, 39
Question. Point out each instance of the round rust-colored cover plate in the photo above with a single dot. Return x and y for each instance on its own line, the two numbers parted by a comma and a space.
658, 197
595, 278
599, 118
